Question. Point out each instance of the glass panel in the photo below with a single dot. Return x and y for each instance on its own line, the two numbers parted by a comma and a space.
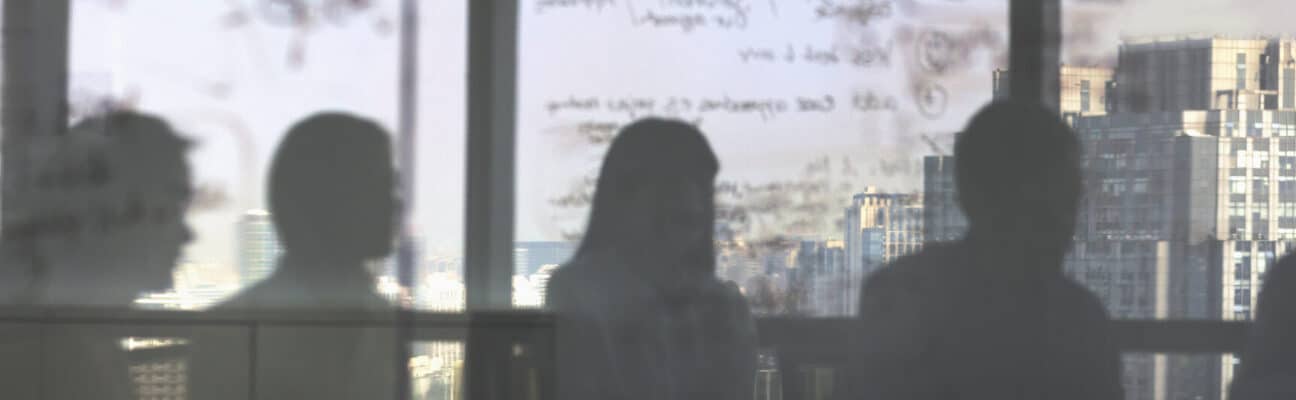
1196, 95
201, 172
436, 370
820, 113
1177, 376
233, 77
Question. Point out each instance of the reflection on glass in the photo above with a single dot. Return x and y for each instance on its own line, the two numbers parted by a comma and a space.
1185, 204
234, 75
436, 371
820, 113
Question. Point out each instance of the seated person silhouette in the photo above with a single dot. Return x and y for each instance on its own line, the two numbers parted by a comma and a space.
333, 203
100, 221
641, 313
1268, 368
992, 316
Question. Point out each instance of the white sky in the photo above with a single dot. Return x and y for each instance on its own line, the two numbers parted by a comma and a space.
178, 57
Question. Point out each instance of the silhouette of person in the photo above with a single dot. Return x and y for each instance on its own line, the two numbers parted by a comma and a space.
641, 313
992, 316
333, 202
99, 222
1268, 369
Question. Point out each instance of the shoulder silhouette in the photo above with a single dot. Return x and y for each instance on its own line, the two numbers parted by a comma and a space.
642, 315
98, 221
333, 202
1268, 368
991, 315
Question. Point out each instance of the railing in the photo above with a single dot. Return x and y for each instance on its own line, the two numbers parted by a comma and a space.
810, 350
512, 351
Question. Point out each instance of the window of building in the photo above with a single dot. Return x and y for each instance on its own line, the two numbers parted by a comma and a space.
1084, 95
1237, 184
1241, 71
241, 72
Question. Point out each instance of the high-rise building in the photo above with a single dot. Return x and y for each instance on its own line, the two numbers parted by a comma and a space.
165, 379
528, 257
1205, 73
1188, 198
440, 291
258, 246
820, 269
436, 371
541, 279
880, 227
1181, 215
1213, 191
943, 220
1081, 90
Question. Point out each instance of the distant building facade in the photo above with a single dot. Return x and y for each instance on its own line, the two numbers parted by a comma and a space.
1217, 190
529, 257
1190, 188
820, 268
1205, 73
943, 219
258, 246
880, 227
1082, 91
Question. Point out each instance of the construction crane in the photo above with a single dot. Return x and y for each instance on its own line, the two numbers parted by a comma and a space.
932, 144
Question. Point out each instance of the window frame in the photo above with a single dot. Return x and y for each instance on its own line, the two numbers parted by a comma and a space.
35, 61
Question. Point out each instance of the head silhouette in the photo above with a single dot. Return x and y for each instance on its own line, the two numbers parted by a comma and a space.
1018, 175
654, 200
103, 214
332, 189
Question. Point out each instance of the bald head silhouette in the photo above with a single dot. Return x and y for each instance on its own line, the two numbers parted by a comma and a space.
1018, 174
332, 189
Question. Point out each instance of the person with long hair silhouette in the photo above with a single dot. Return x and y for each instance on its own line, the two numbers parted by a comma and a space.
641, 313
98, 222
992, 316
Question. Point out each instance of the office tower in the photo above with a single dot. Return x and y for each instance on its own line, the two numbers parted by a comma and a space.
1190, 182
258, 246
819, 267
528, 257
440, 291
1205, 73
1082, 90
436, 371
880, 227
1211, 192
163, 379
540, 279
943, 220
1191, 189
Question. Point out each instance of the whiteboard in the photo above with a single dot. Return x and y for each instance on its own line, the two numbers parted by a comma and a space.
804, 101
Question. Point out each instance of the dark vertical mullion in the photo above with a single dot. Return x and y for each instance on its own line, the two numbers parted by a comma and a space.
1033, 48
1035, 35
408, 166
492, 81
489, 202
34, 102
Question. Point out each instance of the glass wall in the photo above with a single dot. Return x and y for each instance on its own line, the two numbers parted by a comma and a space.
820, 113
149, 234
234, 77
1186, 210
